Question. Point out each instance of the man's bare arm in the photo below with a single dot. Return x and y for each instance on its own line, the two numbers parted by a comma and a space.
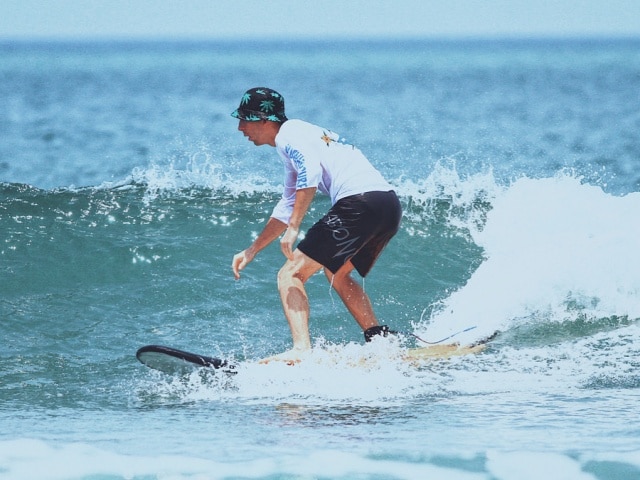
304, 197
272, 230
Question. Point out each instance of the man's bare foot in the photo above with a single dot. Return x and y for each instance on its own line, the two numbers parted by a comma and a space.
290, 357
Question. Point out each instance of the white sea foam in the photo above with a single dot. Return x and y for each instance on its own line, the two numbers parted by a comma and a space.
374, 374
466, 196
24, 459
553, 247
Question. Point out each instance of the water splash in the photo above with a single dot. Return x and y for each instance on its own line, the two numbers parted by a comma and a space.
555, 248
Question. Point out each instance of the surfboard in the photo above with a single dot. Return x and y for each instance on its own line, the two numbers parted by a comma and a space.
171, 360
433, 352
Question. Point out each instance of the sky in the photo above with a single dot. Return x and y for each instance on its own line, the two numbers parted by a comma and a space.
255, 19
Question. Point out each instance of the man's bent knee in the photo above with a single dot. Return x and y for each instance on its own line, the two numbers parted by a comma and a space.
300, 268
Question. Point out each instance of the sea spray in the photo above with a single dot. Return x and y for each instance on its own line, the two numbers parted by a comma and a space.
555, 248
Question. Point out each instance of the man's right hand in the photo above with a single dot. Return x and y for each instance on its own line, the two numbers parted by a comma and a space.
271, 231
240, 260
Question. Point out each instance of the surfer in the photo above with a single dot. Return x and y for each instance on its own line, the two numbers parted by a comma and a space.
365, 214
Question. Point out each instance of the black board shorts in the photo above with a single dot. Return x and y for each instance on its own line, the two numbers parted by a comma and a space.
356, 228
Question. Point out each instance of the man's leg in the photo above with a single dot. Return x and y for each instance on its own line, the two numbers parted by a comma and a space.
291, 279
352, 295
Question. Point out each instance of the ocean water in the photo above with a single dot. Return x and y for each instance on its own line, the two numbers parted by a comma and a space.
126, 190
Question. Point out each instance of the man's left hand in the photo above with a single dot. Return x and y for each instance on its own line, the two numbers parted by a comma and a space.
288, 240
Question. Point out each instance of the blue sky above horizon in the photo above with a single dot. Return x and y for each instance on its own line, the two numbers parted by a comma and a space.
238, 19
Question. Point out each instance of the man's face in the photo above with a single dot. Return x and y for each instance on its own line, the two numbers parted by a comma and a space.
256, 132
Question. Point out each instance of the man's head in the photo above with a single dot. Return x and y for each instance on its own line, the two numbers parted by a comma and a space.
261, 113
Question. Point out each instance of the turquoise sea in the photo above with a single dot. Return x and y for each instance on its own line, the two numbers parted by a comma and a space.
126, 189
